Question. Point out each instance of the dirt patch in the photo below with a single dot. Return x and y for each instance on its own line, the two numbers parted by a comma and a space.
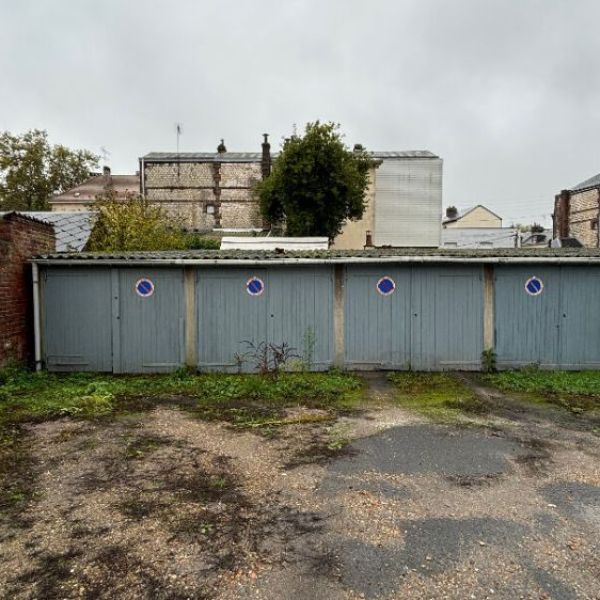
279, 502
17, 478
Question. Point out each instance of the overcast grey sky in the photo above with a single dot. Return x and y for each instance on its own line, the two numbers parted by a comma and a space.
506, 91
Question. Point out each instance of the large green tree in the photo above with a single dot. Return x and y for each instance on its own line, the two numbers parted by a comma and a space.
32, 169
317, 183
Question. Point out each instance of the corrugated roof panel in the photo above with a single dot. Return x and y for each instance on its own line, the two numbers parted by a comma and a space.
408, 203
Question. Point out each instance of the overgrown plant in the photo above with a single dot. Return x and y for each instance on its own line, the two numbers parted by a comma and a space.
134, 224
267, 358
488, 361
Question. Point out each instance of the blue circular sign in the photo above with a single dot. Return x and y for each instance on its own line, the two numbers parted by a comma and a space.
534, 286
255, 286
144, 287
386, 286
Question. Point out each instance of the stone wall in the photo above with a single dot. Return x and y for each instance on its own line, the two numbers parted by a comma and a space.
206, 195
583, 217
20, 239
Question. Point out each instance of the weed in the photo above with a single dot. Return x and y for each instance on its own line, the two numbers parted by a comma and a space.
440, 396
488, 361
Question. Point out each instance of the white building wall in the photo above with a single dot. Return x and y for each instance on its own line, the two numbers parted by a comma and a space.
408, 195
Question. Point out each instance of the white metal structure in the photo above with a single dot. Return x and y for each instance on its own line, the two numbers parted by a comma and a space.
480, 237
408, 201
274, 243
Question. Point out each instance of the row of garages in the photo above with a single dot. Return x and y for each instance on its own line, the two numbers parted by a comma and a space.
104, 316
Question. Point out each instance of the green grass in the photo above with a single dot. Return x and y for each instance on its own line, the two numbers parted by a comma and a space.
26, 396
439, 396
577, 391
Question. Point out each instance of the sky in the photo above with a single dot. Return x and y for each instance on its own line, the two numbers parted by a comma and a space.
507, 92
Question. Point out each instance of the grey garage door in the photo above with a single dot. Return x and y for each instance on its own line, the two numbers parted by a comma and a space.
377, 326
447, 318
556, 327
433, 320
149, 336
76, 319
239, 306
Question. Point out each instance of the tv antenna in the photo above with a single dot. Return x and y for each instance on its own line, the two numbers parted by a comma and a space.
105, 154
178, 132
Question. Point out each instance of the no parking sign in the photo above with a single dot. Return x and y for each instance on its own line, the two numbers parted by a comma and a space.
144, 287
534, 286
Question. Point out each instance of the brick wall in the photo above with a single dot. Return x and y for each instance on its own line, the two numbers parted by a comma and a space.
20, 238
583, 217
205, 195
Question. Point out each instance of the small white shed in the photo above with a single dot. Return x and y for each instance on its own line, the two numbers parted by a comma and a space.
274, 243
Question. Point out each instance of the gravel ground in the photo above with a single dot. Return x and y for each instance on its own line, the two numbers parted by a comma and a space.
162, 505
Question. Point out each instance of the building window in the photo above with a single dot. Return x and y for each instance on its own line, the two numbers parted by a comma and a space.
594, 224
210, 209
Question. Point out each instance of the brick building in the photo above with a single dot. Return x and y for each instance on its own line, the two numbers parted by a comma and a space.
21, 237
207, 190
576, 213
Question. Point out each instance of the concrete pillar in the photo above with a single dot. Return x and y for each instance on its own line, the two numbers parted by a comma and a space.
338, 316
189, 284
488, 307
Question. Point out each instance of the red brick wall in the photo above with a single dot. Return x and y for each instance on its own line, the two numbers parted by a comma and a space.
20, 239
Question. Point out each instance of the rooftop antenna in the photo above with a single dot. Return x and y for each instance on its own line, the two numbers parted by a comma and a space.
178, 132
105, 154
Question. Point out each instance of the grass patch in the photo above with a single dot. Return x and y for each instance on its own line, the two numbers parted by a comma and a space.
26, 396
439, 396
576, 391
244, 401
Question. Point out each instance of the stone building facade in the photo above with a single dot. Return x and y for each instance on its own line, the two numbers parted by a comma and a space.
576, 213
21, 237
207, 191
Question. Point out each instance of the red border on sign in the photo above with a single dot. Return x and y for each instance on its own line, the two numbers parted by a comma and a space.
389, 279
138, 283
262, 283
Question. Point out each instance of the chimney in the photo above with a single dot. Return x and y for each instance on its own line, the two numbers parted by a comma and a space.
221, 149
451, 212
106, 171
561, 214
265, 161
368, 239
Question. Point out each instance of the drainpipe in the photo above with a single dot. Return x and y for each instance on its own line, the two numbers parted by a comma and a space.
142, 177
598, 222
37, 332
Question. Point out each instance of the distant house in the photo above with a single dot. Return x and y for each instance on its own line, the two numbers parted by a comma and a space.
83, 196
207, 190
576, 212
476, 216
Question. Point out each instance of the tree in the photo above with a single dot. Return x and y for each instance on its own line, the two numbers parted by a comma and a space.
132, 224
316, 183
31, 170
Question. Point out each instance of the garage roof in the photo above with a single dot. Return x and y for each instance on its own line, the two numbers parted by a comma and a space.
375, 255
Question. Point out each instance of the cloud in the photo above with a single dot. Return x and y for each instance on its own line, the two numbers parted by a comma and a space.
505, 91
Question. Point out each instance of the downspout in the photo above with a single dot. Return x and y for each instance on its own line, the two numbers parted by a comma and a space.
598, 222
142, 177
37, 332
